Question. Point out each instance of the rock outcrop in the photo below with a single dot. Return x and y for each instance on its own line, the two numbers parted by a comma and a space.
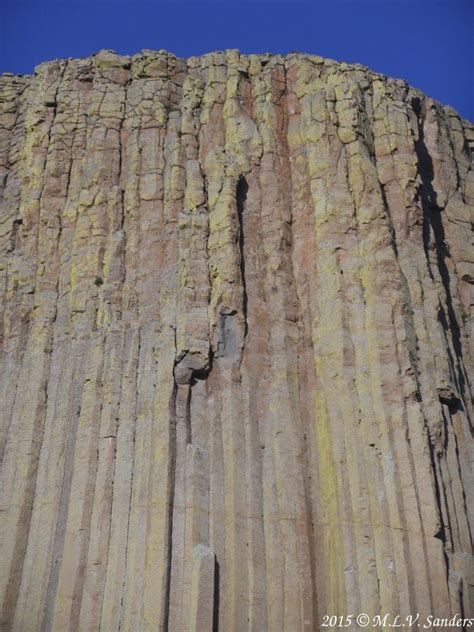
237, 349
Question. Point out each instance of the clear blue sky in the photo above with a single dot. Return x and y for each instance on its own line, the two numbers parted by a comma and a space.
429, 43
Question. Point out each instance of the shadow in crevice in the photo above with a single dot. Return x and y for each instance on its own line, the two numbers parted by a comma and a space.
15, 235
432, 221
215, 614
241, 197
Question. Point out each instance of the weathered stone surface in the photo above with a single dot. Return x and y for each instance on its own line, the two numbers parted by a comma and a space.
236, 343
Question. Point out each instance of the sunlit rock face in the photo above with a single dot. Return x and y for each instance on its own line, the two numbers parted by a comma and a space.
236, 345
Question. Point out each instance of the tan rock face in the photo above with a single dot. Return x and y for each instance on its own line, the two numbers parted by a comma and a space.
237, 354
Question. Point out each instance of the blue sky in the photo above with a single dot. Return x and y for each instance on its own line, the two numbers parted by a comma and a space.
429, 43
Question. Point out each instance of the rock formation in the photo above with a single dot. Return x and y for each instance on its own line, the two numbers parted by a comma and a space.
237, 347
